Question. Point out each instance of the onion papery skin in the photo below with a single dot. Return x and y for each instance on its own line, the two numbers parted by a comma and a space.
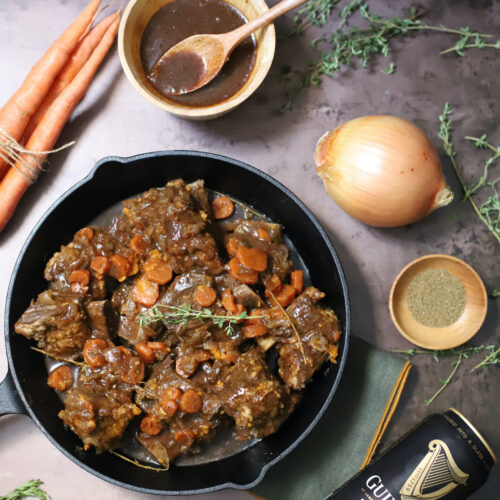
382, 170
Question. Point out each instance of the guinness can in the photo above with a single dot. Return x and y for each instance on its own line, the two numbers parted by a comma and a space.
444, 457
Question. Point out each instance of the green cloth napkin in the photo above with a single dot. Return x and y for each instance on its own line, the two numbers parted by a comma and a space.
354, 423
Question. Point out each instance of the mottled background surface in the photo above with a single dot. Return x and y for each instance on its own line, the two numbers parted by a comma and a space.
113, 119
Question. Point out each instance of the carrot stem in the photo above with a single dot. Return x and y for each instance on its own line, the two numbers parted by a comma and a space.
25, 171
17, 111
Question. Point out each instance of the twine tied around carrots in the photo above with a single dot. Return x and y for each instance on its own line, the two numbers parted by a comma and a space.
27, 163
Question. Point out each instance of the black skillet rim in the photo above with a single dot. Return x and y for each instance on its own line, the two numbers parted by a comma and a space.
266, 177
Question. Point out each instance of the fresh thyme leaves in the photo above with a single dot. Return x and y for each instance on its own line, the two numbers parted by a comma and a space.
313, 13
390, 69
172, 315
489, 211
494, 294
349, 43
461, 353
492, 359
28, 489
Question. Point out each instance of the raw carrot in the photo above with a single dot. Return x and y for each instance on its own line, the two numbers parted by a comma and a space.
17, 111
46, 134
78, 58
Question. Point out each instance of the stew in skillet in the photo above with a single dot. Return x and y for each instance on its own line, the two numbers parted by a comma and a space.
182, 317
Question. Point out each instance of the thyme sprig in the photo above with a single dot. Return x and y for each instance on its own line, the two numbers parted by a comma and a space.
350, 43
58, 358
489, 211
461, 353
28, 489
173, 315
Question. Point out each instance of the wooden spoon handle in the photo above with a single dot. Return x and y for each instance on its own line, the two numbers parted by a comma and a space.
239, 34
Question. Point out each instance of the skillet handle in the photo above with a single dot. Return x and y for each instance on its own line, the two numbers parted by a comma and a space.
10, 402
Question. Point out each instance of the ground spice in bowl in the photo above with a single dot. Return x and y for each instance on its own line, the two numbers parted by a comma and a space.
436, 298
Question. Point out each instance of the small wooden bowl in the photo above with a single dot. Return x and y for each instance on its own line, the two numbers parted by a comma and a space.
135, 19
450, 336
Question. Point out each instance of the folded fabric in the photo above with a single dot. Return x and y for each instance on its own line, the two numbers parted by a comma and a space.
346, 437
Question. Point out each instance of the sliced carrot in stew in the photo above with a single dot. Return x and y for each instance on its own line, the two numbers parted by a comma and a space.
297, 280
135, 371
184, 437
138, 244
205, 295
93, 353
150, 425
232, 246
87, 232
228, 301
145, 292
169, 406
171, 392
186, 365
145, 352
61, 379
262, 234
120, 267
251, 331
158, 346
100, 264
222, 207
286, 295
81, 276
157, 270
252, 320
254, 258
191, 402
239, 273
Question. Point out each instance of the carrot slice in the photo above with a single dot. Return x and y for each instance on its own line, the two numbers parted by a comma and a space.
205, 295
262, 234
86, 232
157, 270
145, 292
297, 280
254, 258
137, 244
232, 246
241, 274
81, 276
222, 207
120, 267
286, 295
100, 264
251, 331
228, 301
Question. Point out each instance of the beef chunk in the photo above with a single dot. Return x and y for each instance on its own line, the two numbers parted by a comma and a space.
319, 334
78, 254
100, 407
174, 220
247, 233
254, 397
102, 318
182, 430
57, 322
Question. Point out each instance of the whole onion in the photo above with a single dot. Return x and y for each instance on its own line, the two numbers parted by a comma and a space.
382, 170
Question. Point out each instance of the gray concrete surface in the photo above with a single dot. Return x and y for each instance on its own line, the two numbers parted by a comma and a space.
113, 119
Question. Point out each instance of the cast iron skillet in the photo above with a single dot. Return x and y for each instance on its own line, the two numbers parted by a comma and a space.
113, 179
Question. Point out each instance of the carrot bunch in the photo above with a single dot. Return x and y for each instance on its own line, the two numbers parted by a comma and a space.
36, 114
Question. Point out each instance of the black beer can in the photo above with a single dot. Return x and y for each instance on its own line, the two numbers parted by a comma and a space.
444, 457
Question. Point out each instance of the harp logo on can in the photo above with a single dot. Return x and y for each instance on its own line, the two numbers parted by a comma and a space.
435, 476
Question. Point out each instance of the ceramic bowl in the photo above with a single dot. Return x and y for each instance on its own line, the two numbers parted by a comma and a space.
135, 19
452, 335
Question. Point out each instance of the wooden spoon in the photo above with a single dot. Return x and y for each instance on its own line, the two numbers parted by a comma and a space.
195, 61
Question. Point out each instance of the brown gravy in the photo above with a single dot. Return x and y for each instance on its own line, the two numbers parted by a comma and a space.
181, 19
